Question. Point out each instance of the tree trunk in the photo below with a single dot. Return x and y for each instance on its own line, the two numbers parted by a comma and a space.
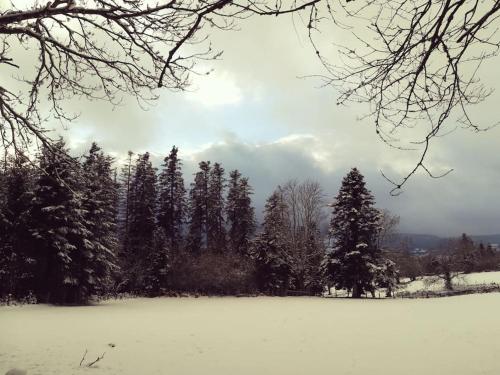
356, 291
388, 292
447, 281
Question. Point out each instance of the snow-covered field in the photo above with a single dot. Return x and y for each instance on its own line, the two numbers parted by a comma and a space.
431, 283
257, 336
481, 278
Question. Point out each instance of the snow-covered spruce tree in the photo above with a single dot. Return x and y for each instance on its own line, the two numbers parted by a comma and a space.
269, 248
240, 213
100, 200
354, 259
4, 232
216, 231
172, 200
17, 264
198, 210
387, 276
465, 252
126, 175
62, 242
142, 215
156, 280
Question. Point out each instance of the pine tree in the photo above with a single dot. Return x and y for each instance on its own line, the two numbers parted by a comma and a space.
387, 276
465, 252
17, 263
100, 204
269, 248
158, 265
5, 275
62, 242
216, 232
126, 175
142, 212
240, 213
172, 200
353, 261
198, 210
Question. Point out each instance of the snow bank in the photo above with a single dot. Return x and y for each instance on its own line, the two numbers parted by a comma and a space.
256, 336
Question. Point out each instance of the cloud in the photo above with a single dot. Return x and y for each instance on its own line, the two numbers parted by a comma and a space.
254, 113
218, 90
449, 206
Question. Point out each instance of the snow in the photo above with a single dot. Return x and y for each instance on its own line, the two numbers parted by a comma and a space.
256, 336
465, 279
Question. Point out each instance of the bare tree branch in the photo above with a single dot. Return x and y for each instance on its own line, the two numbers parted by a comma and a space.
417, 65
103, 49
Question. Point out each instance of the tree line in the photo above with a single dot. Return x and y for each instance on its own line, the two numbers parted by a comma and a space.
446, 261
76, 228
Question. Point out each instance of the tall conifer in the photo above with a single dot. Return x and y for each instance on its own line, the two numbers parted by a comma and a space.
353, 262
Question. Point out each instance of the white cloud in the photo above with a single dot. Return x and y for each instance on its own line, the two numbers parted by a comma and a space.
214, 90
286, 128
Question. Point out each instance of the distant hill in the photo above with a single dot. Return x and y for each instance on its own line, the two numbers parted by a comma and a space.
420, 241
429, 241
486, 239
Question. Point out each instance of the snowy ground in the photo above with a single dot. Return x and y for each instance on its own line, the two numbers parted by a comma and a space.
431, 283
257, 336
462, 280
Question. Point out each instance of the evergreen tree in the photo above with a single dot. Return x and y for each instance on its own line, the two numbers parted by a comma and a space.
100, 204
4, 233
198, 210
142, 209
62, 242
17, 263
387, 276
465, 252
172, 200
353, 261
158, 265
216, 232
269, 248
126, 176
240, 213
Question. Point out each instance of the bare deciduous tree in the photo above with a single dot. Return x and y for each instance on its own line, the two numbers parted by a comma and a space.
305, 203
388, 228
98, 49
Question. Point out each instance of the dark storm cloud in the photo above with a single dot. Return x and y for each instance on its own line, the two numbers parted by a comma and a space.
464, 201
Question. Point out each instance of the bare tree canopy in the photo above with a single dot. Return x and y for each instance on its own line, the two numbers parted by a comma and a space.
417, 63
305, 203
388, 228
100, 48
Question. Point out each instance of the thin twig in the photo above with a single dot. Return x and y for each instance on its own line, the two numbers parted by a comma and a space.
83, 358
97, 360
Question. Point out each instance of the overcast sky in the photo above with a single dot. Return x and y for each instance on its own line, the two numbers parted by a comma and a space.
254, 113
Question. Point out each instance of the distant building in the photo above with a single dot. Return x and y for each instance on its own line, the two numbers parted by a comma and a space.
495, 246
419, 252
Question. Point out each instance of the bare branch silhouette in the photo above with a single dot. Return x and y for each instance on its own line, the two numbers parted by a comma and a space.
100, 49
417, 64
